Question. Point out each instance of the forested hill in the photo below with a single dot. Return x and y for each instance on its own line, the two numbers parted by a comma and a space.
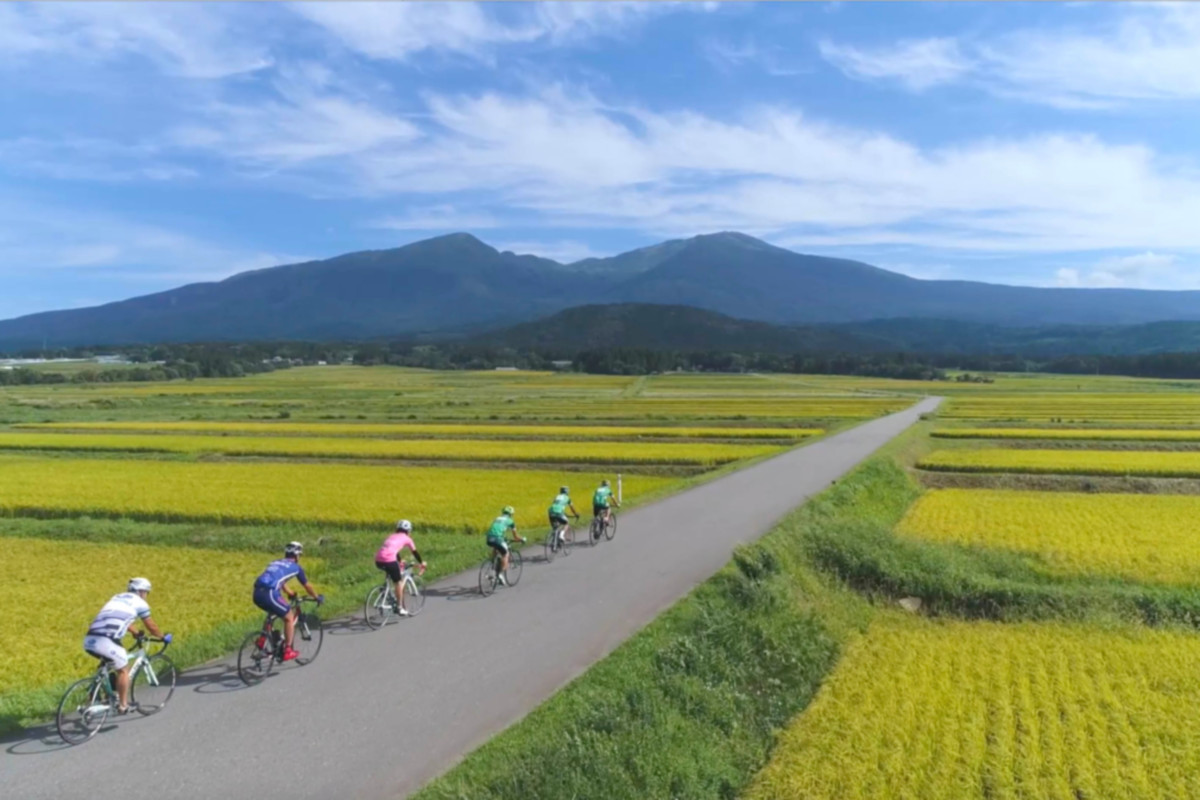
686, 329
457, 283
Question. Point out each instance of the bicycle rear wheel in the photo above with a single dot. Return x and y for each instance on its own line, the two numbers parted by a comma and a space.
308, 638
550, 547
256, 657
487, 577
153, 684
377, 609
83, 709
513, 576
610, 530
414, 598
595, 531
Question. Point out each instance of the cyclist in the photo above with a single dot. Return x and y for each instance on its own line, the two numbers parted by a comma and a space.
497, 538
603, 500
558, 515
104, 635
387, 558
271, 586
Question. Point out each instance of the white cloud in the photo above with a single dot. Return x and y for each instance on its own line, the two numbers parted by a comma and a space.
436, 218
1150, 52
917, 64
398, 30
89, 159
1148, 270
562, 251
728, 56
185, 39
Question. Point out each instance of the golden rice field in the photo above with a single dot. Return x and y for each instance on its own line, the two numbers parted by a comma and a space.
1149, 408
417, 429
53, 589
1143, 463
920, 710
472, 450
1135, 536
1073, 434
337, 494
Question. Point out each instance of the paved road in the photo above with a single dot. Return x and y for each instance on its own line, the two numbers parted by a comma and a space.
461, 672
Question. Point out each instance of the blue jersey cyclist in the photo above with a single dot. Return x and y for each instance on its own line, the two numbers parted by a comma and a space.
497, 538
271, 586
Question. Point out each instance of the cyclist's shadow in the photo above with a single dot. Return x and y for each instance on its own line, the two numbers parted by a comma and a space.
211, 679
454, 592
35, 741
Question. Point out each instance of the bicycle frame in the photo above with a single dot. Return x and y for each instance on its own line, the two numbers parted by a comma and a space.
102, 683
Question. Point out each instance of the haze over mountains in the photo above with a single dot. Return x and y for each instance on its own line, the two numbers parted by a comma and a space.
457, 283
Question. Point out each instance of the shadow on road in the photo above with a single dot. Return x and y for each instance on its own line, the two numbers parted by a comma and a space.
213, 679
342, 627
454, 592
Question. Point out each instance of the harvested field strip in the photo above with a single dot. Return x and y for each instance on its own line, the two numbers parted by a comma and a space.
344, 494
63, 585
700, 454
1139, 537
1153, 463
464, 431
974, 711
1072, 434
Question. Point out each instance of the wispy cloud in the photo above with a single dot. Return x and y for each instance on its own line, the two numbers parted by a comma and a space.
728, 56
916, 64
436, 218
564, 251
1149, 52
1148, 270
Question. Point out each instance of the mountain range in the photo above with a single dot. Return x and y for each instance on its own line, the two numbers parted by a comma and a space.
459, 284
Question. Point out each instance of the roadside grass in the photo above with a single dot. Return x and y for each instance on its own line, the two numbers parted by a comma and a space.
347, 572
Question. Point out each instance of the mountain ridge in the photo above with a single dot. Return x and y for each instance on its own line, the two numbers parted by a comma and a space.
458, 282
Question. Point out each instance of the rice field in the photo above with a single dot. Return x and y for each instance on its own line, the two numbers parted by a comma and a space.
1141, 463
1148, 408
921, 710
336, 494
1138, 537
1073, 434
53, 589
415, 429
466, 450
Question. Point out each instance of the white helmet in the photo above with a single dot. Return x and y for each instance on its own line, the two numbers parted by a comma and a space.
293, 549
138, 585
404, 525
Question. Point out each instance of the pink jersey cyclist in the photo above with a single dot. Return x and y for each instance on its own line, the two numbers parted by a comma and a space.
387, 558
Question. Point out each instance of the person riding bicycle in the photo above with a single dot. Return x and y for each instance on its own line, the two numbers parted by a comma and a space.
497, 538
558, 514
103, 640
603, 500
271, 586
387, 558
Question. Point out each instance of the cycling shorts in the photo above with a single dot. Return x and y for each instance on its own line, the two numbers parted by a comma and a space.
270, 601
392, 568
106, 649
598, 510
558, 519
499, 545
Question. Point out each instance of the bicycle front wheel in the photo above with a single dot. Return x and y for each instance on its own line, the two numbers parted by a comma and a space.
568, 541
83, 709
308, 638
487, 577
256, 658
378, 607
610, 530
595, 532
513, 576
414, 598
153, 684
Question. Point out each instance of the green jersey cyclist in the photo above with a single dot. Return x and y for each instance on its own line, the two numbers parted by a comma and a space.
497, 539
558, 515
602, 502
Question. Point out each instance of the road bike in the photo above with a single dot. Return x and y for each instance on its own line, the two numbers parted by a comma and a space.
600, 527
263, 648
556, 544
88, 702
380, 605
489, 570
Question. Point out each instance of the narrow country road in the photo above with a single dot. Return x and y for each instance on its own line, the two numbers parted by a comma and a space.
455, 676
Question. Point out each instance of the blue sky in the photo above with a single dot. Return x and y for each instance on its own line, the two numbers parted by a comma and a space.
147, 146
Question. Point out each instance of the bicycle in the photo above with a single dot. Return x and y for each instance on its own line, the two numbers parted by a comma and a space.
489, 571
85, 706
381, 604
602, 528
555, 545
263, 648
